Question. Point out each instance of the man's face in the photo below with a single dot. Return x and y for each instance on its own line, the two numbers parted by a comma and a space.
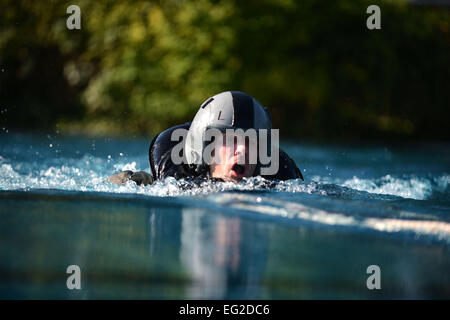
233, 164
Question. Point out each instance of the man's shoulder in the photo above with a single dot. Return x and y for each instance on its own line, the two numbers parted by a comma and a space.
287, 169
160, 147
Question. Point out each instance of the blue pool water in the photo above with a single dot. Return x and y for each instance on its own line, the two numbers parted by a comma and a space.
358, 206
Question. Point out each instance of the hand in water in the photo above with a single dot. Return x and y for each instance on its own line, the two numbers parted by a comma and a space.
140, 177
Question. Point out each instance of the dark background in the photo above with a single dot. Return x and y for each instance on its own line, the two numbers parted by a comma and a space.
137, 67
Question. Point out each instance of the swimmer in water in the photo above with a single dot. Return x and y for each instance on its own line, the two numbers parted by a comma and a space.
232, 161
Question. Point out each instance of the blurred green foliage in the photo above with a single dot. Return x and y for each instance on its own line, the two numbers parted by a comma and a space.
141, 66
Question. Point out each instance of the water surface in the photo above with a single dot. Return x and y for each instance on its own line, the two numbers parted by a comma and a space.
358, 206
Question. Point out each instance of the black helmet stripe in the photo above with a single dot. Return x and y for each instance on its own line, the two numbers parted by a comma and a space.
206, 103
243, 110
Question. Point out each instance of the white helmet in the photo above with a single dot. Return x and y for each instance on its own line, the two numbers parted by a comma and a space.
230, 109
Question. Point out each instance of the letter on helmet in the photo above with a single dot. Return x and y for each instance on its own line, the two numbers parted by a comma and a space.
230, 109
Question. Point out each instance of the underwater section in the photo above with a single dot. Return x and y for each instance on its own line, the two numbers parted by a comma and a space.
258, 239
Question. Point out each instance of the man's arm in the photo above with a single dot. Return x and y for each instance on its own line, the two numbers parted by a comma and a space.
140, 177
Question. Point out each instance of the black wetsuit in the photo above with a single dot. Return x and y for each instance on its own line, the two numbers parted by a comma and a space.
162, 166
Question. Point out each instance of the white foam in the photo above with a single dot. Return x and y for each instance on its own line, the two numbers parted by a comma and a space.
293, 210
90, 173
410, 187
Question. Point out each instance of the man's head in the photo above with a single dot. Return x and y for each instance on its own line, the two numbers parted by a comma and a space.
227, 110
233, 159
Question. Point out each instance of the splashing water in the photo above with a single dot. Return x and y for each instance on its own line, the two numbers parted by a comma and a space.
349, 193
85, 164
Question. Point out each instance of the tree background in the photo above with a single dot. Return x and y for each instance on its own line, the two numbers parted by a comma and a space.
138, 67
